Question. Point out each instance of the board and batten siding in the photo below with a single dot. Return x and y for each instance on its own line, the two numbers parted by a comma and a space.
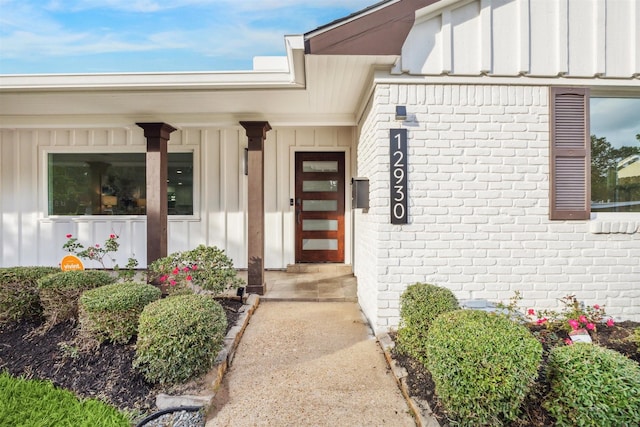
571, 38
28, 236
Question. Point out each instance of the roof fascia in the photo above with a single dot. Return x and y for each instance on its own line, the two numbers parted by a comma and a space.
292, 78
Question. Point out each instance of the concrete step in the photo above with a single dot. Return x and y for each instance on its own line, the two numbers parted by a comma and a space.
338, 269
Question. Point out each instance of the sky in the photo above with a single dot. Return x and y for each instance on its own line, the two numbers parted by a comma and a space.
617, 119
103, 36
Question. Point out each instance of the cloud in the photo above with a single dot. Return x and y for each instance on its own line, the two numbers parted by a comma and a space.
237, 5
35, 32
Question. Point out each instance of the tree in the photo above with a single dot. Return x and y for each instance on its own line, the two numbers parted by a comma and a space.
605, 185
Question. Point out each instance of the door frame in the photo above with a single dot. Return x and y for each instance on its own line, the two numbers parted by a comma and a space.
348, 212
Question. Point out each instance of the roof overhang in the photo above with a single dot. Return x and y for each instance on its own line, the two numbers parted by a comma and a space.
299, 90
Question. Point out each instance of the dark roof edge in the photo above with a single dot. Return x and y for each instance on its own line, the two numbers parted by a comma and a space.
351, 16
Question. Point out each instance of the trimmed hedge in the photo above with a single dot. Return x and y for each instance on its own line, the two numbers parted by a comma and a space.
19, 292
59, 293
592, 386
35, 403
483, 365
420, 304
111, 312
179, 337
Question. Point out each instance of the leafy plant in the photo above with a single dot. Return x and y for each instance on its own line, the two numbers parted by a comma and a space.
35, 403
592, 386
19, 292
59, 292
179, 337
205, 266
483, 365
101, 254
69, 350
636, 338
111, 312
420, 304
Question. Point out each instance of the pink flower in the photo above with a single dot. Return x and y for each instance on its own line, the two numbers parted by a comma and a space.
189, 278
176, 271
164, 278
173, 282
568, 341
573, 323
112, 236
591, 326
194, 267
542, 321
596, 306
185, 269
97, 245
69, 236
583, 318
531, 312
610, 322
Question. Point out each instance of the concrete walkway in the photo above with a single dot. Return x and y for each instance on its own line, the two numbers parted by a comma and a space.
308, 364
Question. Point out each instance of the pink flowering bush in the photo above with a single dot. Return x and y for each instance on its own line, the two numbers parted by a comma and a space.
102, 254
206, 267
574, 316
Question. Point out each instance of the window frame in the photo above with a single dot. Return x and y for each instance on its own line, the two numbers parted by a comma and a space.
44, 179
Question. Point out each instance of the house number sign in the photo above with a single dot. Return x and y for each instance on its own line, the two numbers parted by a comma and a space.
398, 159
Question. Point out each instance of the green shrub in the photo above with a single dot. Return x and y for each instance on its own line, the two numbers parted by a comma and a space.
482, 364
19, 292
179, 337
59, 293
420, 304
204, 266
592, 386
111, 312
34, 403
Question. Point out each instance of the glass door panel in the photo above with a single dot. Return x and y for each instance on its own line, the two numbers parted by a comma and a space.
320, 186
319, 166
319, 205
319, 244
320, 225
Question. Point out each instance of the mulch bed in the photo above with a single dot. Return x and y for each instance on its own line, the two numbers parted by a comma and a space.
105, 372
421, 386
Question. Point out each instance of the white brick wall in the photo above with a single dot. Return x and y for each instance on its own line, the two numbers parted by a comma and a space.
478, 215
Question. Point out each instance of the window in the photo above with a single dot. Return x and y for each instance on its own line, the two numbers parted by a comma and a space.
615, 154
594, 168
114, 184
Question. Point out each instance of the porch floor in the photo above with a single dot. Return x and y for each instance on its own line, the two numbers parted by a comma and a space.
310, 282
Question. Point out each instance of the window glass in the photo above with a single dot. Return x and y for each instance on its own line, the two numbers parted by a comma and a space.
615, 154
114, 184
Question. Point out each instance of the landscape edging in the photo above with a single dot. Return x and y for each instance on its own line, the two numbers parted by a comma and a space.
421, 410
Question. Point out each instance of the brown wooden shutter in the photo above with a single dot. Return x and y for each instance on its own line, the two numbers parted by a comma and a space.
570, 186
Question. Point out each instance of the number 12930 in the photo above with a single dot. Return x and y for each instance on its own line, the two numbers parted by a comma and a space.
398, 177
